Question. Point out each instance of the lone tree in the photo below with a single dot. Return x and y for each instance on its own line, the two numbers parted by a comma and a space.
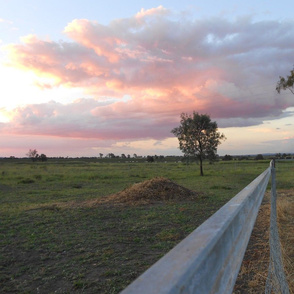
33, 154
286, 83
150, 158
198, 136
259, 157
43, 157
227, 157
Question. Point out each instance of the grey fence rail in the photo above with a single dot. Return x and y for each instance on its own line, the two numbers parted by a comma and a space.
209, 259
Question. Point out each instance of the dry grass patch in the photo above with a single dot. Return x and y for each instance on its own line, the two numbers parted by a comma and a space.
253, 273
151, 191
154, 190
285, 208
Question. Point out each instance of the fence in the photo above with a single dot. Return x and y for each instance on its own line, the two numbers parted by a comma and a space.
276, 281
209, 259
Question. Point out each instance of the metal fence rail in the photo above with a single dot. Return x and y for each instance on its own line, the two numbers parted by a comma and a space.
209, 259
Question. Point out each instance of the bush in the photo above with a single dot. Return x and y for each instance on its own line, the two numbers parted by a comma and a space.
259, 157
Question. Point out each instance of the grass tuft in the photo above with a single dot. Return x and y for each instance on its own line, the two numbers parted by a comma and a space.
26, 181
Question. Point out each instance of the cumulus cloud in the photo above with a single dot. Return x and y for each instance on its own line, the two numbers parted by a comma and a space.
160, 10
76, 120
166, 65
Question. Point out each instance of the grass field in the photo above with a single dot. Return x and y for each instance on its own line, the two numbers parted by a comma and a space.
54, 241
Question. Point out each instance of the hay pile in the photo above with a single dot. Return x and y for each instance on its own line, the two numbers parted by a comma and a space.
156, 189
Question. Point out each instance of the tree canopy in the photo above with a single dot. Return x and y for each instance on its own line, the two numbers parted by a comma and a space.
286, 83
33, 154
198, 136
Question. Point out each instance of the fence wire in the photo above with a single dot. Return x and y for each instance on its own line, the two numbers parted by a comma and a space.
276, 280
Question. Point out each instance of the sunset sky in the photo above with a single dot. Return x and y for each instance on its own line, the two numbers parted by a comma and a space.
79, 78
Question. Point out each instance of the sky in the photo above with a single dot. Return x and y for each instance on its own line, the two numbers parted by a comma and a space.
80, 78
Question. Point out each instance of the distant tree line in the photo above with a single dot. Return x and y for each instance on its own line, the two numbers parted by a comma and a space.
149, 158
283, 156
186, 158
257, 157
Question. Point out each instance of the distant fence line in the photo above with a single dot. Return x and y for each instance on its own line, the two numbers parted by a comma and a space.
209, 259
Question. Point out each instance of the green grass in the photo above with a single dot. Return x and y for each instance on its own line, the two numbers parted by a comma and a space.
47, 247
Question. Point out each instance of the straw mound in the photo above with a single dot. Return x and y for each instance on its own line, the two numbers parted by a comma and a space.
157, 189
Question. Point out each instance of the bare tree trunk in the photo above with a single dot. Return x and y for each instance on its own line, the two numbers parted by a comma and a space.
201, 168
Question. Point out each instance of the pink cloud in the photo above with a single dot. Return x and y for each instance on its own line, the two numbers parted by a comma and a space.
129, 120
77, 121
166, 66
94, 36
160, 10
